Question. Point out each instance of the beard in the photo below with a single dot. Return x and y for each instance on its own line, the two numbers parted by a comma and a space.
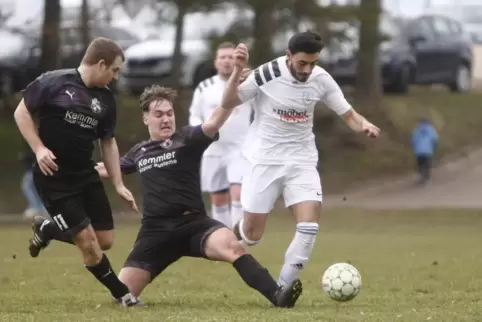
302, 77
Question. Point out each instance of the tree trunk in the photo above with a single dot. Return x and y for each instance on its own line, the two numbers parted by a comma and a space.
84, 24
262, 33
50, 57
368, 90
177, 60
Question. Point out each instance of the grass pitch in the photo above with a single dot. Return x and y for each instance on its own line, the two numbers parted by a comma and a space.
415, 266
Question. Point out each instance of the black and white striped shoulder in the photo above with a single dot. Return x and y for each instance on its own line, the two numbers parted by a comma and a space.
267, 72
205, 83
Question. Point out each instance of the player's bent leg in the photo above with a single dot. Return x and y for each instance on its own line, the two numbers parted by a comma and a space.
222, 245
297, 255
260, 189
99, 265
105, 238
136, 279
250, 229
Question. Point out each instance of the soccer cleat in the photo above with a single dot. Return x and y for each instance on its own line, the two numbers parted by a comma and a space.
287, 296
38, 241
130, 300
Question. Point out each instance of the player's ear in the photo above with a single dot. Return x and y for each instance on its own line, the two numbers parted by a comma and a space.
288, 53
101, 64
144, 118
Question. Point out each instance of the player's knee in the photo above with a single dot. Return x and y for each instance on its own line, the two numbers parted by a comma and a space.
86, 241
106, 244
236, 249
250, 234
106, 240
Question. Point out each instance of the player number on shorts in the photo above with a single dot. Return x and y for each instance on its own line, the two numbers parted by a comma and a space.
59, 220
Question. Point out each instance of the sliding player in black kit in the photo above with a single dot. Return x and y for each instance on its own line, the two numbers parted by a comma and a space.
174, 222
74, 108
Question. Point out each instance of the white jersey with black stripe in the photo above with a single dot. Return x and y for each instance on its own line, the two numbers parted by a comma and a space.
282, 130
207, 97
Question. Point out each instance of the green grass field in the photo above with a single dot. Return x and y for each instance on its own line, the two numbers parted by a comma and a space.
415, 266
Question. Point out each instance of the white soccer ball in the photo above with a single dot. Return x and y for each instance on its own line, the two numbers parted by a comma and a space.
342, 282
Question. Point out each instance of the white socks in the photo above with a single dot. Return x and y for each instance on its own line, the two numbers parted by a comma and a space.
236, 212
299, 252
227, 216
221, 214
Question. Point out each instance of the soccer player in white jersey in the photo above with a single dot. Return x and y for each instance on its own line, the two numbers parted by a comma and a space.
280, 146
222, 165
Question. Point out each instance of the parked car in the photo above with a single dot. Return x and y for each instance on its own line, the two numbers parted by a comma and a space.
20, 53
17, 64
151, 61
429, 49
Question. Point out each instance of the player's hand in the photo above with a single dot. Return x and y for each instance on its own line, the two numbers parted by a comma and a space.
127, 196
241, 56
370, 130
45, 160
244, 74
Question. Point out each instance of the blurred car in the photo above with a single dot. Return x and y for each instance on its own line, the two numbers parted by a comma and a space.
17, 64
429, 49
21, 50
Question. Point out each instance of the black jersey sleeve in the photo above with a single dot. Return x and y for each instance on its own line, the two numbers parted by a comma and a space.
128, 160
36, 94
107, 125
196, 138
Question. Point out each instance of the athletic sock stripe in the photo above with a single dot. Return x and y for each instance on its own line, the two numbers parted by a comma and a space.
307, 228
308, 232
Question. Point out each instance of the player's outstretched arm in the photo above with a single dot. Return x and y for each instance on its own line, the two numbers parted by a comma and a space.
26, 126
359, 124
336, 101
110, 155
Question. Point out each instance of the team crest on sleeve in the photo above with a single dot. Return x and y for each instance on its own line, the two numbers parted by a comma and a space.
95, 105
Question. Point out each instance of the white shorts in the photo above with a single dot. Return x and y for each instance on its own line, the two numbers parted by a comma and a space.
263, 184
218, 173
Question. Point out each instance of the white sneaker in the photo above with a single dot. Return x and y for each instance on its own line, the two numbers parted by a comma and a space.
129, 300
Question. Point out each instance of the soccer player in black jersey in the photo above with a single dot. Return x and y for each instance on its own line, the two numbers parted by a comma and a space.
74, 108
174, 222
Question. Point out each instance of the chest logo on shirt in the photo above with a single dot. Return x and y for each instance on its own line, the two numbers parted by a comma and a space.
291, 115
95, 105
308, 98
159, 161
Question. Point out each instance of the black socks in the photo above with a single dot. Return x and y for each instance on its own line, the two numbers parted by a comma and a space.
256, 276
105, 274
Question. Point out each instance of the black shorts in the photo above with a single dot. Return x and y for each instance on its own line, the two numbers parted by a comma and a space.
160, 242
76, 210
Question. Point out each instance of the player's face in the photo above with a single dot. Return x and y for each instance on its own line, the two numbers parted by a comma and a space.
160, 120
106, 74
224, 61
301, 64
